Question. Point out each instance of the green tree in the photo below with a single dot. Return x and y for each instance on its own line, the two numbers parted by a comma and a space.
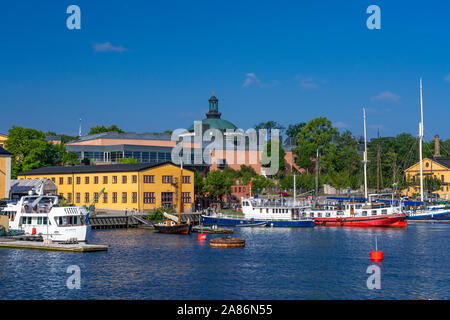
30, 151
267, 155
259, 183
294, 129
316, 134
217, 184
199, 182
269, 125
100, 129
128, 160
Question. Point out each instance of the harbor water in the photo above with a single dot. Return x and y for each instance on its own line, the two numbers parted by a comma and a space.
276, 263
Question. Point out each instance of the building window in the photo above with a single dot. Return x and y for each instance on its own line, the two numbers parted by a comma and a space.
69, 180
186, 179
243, 189
114, 179
105, 197
167, 179
96, 197
86, 180
134, 179
78, 197
167, 199
114, 197
53, 179
124, 179
78, 180
61, 180
96, 180
239, 189
124, 197
134, 197
149, 179
442, 178
186, 197
149, 197
69, 197
86, 197
105, 179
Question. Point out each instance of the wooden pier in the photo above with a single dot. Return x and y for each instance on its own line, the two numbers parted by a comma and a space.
110, 221
78, 247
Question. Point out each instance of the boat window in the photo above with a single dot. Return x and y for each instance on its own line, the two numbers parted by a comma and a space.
267, 210
39, 220
319, 214
374, 212
260, 210
328, 214
312, 214
384, 211
364, 213
24, 220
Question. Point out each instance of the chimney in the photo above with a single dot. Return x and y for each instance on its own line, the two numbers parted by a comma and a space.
437, 153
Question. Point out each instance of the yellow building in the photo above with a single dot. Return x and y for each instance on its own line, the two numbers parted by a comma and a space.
3, 138
5, 173
436, 167
140, 186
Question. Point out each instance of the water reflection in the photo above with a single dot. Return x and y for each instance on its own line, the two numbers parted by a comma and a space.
276, 263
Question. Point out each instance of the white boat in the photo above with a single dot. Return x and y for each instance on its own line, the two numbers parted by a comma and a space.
265, 211
42, 215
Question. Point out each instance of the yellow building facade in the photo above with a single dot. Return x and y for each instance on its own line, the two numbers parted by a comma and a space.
3, 138
138, 186
436, 167
5, 173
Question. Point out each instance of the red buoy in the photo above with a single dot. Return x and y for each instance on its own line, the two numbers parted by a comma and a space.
201, 237
33, 231
376, 255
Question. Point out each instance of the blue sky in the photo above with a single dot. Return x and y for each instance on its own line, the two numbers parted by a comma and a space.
152, 65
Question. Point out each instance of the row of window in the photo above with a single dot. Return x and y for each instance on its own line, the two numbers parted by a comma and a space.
147, 179
148, 197
239, 189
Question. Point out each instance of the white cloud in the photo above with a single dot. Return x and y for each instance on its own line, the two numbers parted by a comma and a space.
252, 80
107, 46
307, 82
386, 96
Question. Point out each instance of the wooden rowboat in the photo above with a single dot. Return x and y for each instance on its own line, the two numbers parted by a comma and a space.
227, 242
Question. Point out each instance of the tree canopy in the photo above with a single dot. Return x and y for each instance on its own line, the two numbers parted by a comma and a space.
102, 128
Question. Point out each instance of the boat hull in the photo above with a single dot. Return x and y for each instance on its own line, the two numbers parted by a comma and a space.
174, 229
431, 216
393, 221
222, 221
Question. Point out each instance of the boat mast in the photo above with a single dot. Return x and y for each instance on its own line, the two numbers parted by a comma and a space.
365, 156
180, 191
295, 193
420, 141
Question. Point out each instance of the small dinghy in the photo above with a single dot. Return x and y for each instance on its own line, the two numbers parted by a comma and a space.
227, 242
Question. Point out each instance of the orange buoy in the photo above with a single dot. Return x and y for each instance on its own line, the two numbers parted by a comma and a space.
201, 237
33, 231
376, 255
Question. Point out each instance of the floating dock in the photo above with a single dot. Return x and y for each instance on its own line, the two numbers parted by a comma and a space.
78, 247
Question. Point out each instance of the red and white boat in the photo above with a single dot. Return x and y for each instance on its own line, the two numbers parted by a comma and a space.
359, 214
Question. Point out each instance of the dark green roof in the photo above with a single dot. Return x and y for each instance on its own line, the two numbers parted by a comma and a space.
123, 167
3, 152
215, 124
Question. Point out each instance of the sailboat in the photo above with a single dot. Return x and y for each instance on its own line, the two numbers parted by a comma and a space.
431, 212
366, 213
168, 226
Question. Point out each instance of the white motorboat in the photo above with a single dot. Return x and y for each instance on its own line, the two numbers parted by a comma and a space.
42, 215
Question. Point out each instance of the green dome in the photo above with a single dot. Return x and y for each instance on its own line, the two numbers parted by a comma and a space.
215, 124
213, 120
